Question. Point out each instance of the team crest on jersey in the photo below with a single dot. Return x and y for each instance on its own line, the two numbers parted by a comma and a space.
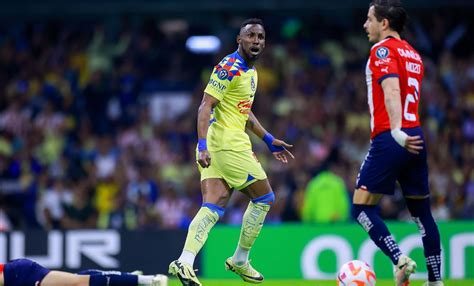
382, 53
252, 84
223, 74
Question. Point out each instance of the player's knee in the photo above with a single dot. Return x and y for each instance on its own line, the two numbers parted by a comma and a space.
268, 199
215, 208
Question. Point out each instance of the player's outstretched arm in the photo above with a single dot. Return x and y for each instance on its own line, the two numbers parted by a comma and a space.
393, 104
55, 278
277, 147
204, 114
102, 278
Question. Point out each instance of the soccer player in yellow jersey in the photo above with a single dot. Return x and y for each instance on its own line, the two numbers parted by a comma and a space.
225, 158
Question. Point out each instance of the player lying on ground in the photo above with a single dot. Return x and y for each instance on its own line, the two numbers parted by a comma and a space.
25, 272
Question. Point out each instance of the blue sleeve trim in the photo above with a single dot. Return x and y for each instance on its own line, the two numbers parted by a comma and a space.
387, 76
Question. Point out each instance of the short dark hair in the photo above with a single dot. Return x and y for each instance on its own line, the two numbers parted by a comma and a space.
393, 11
252, 21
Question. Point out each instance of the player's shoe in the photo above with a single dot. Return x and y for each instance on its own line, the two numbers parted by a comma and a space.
405, 264
159, 280
246, 271
184, 272
137, 272
435, 283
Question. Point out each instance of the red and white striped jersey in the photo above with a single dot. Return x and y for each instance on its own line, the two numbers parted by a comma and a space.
392, 57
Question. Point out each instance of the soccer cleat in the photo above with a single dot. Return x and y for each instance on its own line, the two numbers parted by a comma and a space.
433, 283
405, 264
184, 272
159, 280
137, 272
246, 271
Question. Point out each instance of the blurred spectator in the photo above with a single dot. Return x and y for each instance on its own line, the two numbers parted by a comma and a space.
51, 206
80, 213
5, 224
172, 207
326, 199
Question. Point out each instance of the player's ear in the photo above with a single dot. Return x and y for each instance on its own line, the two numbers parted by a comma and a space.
385, 24
238, 39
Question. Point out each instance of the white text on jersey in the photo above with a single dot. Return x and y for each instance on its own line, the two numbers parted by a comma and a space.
414, 68
409, 54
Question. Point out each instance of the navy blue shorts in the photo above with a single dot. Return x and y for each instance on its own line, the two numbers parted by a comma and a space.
23, 272
388, 162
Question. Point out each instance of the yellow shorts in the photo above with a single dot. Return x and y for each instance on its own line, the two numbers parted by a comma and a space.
239, 169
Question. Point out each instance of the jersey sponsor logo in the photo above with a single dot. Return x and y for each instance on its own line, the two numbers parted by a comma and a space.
252, 84
244, 106
382, 53
413, 67
409, 54
382, 61
217, 85
223, 74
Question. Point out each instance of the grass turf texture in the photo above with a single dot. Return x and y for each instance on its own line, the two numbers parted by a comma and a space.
174, 282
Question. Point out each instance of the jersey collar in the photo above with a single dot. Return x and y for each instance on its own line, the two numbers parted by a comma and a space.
243, 65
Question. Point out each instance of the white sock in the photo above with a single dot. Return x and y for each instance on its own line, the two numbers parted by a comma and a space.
145, 279
241, 255
187, 257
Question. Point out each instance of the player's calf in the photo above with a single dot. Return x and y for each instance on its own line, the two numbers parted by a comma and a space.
420, 211
369, 219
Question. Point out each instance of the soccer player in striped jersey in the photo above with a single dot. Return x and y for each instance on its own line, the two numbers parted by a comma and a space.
225, 158
394, 75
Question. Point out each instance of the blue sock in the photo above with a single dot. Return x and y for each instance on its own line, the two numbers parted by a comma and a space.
421, 213
369, 219
113, 280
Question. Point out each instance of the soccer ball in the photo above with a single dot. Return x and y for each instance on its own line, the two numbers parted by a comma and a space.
356, 273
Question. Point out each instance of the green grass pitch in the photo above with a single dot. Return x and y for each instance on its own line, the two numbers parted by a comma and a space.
174, 282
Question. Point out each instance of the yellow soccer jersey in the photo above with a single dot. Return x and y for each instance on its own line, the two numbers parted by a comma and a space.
234, 84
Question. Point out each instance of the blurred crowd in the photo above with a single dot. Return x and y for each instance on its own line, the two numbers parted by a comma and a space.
79, 148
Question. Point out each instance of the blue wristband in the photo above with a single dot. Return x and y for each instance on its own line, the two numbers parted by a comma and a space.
268, 139
202, 144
